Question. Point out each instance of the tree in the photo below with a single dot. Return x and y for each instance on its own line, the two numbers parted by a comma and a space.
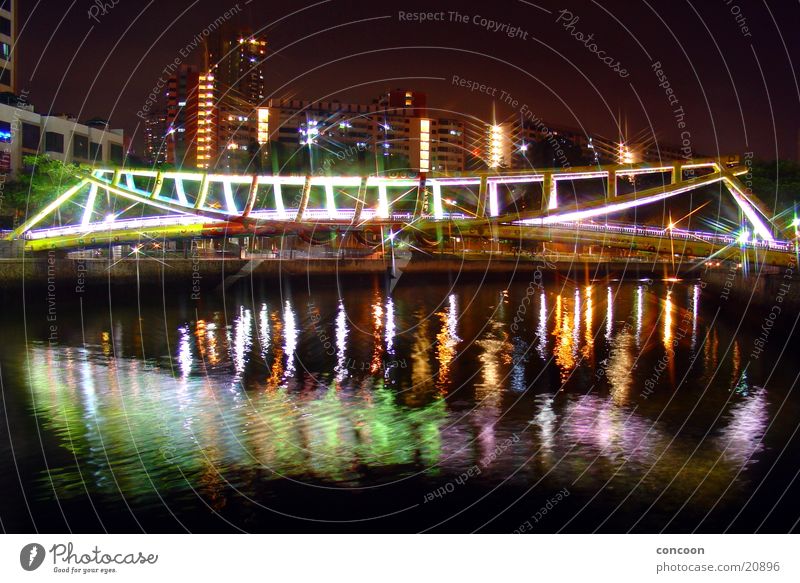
39, 182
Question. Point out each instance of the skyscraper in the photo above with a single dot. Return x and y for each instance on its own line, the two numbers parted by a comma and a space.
231, 90
155, 138
181, 118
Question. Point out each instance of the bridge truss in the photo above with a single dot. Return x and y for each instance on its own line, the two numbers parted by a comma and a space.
111, 206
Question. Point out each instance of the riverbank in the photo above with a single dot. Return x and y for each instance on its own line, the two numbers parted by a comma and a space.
204, 272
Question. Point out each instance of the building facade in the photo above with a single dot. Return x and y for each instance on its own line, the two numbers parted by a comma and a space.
395, 129
155, 138
8, 40
181, 115
25, 132
230, 92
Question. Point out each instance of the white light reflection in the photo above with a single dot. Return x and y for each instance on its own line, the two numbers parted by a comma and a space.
184, 352
289, 338
576, 331
390, 326
743, 436
242, 339
341, 343
263, 330
639, 314
541, 328
452, 318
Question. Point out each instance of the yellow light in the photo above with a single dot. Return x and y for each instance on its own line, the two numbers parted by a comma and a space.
263, 125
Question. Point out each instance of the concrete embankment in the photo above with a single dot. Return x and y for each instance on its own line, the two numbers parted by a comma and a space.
201, 272
778, 285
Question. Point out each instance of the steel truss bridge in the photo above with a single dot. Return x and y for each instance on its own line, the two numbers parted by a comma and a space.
128, 206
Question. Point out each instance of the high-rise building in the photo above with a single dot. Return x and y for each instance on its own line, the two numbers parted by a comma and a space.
236, 59
230, 93
182, 115
155, 138
396, 130
8, 45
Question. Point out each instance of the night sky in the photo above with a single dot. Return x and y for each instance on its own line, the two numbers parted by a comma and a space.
738, 87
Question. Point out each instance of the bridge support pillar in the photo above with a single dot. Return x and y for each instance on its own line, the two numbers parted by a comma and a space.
677, 173
494, 204
203, 193
360, 200
419, 207
549, 192
158, 184
301, 208
612, 184
251, 197
483, 192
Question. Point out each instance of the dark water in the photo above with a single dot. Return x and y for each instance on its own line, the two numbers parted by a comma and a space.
302, 407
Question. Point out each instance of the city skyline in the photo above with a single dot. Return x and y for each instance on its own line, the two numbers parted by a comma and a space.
552, 88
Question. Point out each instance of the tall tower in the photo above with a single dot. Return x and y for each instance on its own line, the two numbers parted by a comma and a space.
231, 92
155, 138
181, 113
8, 49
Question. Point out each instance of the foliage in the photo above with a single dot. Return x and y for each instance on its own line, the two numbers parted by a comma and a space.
776, 183
41, 179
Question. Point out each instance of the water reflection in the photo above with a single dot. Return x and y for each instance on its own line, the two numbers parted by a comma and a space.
235, 400
341, 343
446, 341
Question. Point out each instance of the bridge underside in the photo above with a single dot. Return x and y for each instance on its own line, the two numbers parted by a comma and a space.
113, 206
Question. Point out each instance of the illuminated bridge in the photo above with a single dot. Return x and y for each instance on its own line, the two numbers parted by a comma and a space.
127, 206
